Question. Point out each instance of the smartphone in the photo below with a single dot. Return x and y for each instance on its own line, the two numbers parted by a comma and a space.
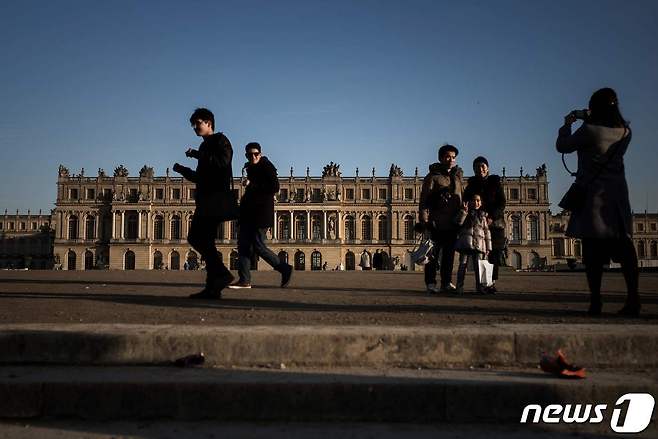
580, 114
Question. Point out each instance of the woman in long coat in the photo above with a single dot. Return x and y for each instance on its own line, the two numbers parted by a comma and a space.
604, 220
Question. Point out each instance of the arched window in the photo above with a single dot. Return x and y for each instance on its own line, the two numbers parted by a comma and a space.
350, 261
366, 228
316, 227
382, 225
131, 226
300, 260
533, 228
641, 251
189, 223
192, 261
300, 227
516, 228
316, 261
283, 257
350, 228
89, 260
175, 230
70, 260
73, 227
90, 227
653, 250
408, 228
233, 264
558, 247
284, 227
577, 249
174, 260
129, 260
158, 227
157, 260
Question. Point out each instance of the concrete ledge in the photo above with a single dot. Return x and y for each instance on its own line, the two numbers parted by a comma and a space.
614, 346
310, 395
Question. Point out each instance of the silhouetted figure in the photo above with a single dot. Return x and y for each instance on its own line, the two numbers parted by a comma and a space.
603, 219
440, 201
256, 216
213, 177
490, 189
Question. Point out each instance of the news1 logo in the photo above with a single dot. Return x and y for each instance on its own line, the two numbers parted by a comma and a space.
631, 413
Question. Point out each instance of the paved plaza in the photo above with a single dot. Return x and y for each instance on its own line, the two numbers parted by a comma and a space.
313, 298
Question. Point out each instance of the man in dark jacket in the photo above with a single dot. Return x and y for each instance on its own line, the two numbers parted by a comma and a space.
490, 189
256, 216
213, 177
440, 202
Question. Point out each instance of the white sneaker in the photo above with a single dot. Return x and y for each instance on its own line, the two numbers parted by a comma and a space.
432, 289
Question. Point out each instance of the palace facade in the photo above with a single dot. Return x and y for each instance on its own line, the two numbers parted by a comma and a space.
26, 241
331, 221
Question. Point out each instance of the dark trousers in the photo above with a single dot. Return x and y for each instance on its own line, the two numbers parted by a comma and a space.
201, 237
464, 257
251, 240
444, 242
597, 252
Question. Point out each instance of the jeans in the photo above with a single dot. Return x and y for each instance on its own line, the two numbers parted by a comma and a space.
444, 242
252, 239
202, 238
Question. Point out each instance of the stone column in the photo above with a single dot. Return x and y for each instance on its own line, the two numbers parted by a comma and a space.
139, 224
97, 226
114, 225
81, 227
123, 224
308, 225
275, 228
357, 226
324, 224
292, 225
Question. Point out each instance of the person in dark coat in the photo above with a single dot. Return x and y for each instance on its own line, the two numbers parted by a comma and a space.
256, 216
212, 176
490, 189
440, 202
604, 222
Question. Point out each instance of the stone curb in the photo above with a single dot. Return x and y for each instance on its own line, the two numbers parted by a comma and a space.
601, 346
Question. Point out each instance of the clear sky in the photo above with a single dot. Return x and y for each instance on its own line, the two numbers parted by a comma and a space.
364, 83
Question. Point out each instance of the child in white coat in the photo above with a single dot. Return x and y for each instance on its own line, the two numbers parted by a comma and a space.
473, 241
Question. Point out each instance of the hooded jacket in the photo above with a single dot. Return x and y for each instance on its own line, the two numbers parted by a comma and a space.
257, 203
474, 233
441, 196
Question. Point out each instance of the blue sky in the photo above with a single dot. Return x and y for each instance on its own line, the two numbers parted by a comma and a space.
363, 83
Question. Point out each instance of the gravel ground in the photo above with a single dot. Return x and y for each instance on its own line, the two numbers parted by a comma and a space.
313, 298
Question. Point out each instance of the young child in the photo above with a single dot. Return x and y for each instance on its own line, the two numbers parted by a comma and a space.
473, 240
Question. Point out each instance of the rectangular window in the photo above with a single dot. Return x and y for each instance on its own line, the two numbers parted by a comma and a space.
22, 225
349, 194
1, 225
107, 193
192, 194
382, 193
316, 195
514, 194
34, 225
532, 194
175, 194
283, 195
365, 194
653, 227
91, 194
640, 227
11, 225
73, 194
132, 193
408, 193
159, 193
299, 195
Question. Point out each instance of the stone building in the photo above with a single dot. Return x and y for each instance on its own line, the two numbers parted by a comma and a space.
26, 241
568, 251
123, 222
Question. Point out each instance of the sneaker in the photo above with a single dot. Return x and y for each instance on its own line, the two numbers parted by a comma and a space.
241, 284
450, 288
492, 289
432, 289
286, 274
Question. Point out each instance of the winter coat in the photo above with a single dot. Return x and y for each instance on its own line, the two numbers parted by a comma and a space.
606, 212
257, 203
474, 233
493, 198
441, 196
213, 172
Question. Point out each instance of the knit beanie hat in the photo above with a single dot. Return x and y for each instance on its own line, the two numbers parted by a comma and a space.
480, 159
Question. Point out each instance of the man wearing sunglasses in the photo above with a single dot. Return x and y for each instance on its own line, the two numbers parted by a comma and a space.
256, 216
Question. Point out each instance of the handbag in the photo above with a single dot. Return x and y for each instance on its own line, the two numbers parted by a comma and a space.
220, 205
422, 252
486, 272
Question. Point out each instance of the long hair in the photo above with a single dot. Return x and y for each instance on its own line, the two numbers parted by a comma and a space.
604, 109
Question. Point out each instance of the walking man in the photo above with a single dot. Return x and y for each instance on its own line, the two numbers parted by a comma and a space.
213, 176
256, 216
